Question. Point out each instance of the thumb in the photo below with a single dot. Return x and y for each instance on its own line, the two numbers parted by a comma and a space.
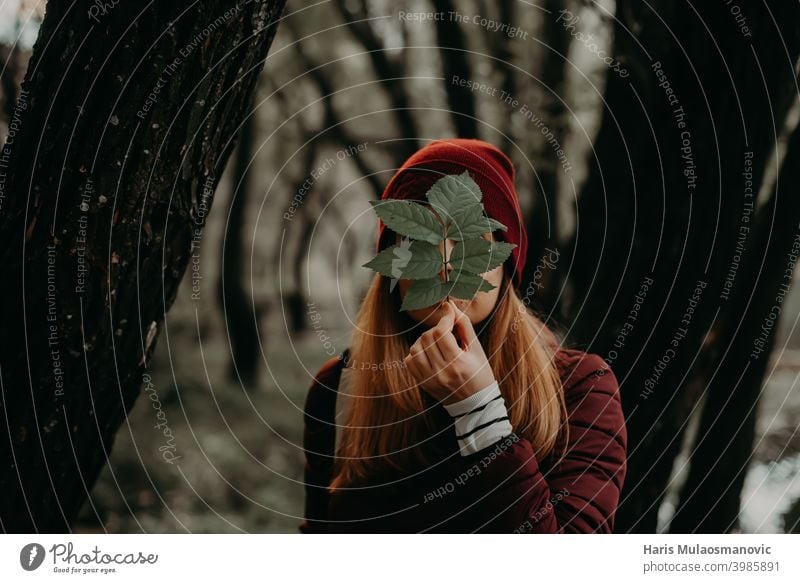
463, 328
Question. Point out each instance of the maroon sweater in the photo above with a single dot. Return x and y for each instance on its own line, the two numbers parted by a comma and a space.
502, 488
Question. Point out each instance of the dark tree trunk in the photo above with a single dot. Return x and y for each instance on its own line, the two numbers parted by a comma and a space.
710, 498
501, 47
542, 222
105, 197
296, 301
297, 310
660, 215
455, 64
240, 312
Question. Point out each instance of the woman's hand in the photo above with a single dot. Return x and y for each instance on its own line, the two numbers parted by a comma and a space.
439, 364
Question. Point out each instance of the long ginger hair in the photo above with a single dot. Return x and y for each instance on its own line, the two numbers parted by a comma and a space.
387, 417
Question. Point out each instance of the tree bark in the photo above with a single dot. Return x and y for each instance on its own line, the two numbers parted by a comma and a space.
128, 118
663, 204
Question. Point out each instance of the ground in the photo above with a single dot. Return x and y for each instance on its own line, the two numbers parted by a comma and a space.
241, 462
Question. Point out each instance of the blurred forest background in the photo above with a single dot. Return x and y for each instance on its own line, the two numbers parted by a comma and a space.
349, 90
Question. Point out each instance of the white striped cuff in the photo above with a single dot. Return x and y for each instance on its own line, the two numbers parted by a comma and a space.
481, 419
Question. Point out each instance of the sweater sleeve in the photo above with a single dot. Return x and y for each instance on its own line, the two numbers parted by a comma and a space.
507, 490
480, 420
318, 444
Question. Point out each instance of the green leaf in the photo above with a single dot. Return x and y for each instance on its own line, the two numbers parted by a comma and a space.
457, 199
471, 223
408, 260
424, 293
479, 255
494, 225
426, 261
409, 218
465, 285
453, 192
387, 260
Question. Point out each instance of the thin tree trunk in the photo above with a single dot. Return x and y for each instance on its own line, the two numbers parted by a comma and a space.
241, 315
455, 63
126, 128
296, 301
542, 222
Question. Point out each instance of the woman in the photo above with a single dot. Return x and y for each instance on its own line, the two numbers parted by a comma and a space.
465, 416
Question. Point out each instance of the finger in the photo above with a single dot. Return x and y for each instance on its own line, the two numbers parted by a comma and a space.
448, 346
428, 341
420, 359
443, 334
444, 327
463, 328
412, 365
411, 368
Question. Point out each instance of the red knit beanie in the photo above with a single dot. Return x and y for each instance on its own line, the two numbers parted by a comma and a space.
489, 167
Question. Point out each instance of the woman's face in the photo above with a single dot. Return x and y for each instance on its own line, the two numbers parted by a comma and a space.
477, 309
